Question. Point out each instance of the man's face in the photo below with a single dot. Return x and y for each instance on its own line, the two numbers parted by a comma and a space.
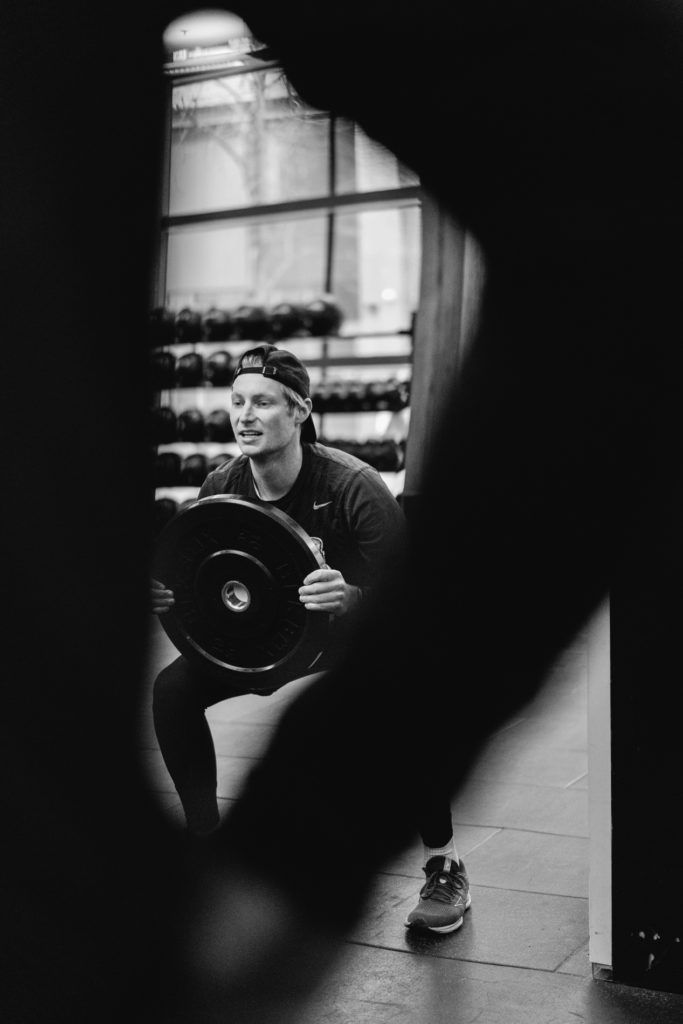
261, 419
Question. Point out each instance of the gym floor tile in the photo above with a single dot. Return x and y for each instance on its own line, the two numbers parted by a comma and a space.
517, 929
562, 703
380, 986
510, 761
561, 732
240, 739
533, 808
232, 772
578, 963
521, 956
563, 699
532, 862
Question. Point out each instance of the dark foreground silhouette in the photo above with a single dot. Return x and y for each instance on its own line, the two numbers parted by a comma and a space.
552, 132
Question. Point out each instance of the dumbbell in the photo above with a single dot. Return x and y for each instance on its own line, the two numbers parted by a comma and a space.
344, 445
335, 396
378, 394
320, 396
366, 399
383, 455
396, 395
354, 401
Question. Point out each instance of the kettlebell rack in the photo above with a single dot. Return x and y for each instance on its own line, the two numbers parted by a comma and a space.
264, 196
191, 428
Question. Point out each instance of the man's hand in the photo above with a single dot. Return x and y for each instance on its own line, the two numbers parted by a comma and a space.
326, 590
161, 598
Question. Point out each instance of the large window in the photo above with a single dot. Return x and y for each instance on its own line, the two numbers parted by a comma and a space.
271, 201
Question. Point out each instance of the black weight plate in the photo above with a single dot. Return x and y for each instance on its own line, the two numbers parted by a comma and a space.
235, 566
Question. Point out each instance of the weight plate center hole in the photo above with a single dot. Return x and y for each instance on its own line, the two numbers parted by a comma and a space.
235, 596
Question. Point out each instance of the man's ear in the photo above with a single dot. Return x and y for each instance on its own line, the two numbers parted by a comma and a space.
300, 416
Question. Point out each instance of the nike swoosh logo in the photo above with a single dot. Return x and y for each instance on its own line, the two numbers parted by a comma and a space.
322, 504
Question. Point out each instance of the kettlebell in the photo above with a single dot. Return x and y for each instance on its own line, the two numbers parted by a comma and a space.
287, 321
218, 370
188, 325
216, 461
164, 425
161, 326
322, 316
251, 323
189, 370
193, 470
217, 324
162, 370
191, 425
218, 426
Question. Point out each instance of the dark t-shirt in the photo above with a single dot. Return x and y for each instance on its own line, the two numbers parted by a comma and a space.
340, 501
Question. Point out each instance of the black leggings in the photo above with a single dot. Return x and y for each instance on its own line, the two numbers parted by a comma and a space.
182, 693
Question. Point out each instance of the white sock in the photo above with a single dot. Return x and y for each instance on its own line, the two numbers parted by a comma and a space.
448, 850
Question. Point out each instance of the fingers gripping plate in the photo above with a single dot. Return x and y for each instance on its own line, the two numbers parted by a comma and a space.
235, 566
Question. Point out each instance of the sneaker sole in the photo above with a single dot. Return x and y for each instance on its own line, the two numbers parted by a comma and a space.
443, 929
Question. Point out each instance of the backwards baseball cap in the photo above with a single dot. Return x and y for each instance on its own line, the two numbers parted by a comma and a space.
284, 367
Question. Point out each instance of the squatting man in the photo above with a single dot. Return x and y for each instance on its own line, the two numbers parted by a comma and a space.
345, 506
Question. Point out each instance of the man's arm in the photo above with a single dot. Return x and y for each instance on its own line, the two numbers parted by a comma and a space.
375, 533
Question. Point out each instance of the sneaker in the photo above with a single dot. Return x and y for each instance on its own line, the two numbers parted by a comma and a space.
444, 897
